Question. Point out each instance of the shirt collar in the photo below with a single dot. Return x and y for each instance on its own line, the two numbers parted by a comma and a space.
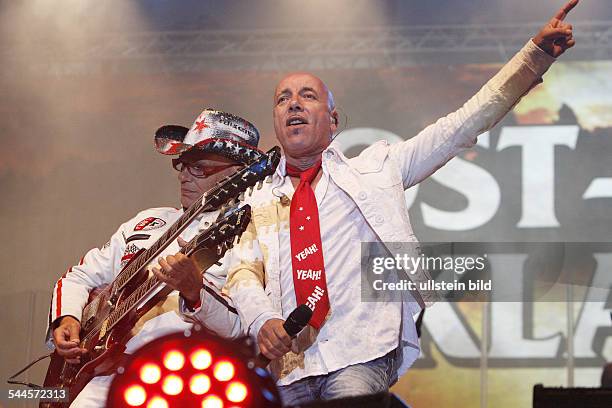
334, 148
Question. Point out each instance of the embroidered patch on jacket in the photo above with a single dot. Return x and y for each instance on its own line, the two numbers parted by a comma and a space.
149, 223
128, 253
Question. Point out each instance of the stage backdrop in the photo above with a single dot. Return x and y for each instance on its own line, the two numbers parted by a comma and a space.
78, 159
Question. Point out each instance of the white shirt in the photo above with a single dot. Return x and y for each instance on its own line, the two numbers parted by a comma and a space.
343, 228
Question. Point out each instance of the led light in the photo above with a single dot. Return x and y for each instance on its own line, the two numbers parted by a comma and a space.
199, 384
173, 385
236, 391
212, 401
157, 402
200, 359
150, 373
174, 360
135, 395
224, 371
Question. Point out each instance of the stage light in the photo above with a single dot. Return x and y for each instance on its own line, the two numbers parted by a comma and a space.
200, 359
193, 369
157, 402
224, 371
199, 384
135, 395
173, 385
174, 360
150, 373
212, 401
236, 392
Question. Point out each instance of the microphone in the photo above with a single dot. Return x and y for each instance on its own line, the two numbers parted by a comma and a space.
295, 323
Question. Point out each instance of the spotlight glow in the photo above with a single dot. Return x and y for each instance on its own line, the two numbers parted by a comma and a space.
157, 402
236, 392
212, 401
224, 371
199, 384
173, 385
201, 359
135, 395
174, 360
150, 373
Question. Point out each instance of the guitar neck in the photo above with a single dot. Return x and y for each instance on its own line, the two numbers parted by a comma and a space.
154, 250
151, 287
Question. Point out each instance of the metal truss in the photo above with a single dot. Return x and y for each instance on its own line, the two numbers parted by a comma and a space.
281, 50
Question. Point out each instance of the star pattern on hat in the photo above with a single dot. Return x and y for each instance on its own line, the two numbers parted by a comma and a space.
301, 228
308, 218
200, 125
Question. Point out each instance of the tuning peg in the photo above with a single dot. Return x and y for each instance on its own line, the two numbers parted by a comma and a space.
268, 179
250, 191
241, 196
259, 185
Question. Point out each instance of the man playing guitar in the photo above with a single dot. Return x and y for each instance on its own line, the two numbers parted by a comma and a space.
213, 148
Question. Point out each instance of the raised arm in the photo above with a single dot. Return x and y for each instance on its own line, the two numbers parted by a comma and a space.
421, 155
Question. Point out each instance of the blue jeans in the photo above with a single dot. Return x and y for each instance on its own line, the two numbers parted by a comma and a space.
359, 379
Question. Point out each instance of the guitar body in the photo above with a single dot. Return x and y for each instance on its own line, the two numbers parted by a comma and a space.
104, 349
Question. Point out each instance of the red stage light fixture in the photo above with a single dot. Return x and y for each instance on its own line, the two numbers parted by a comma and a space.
193, 369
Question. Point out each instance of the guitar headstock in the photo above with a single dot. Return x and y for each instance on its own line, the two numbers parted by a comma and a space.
233, 186
221, 235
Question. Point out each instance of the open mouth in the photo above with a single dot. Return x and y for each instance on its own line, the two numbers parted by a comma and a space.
295, 121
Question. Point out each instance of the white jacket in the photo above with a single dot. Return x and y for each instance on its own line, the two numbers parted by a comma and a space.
376, 181
101, 265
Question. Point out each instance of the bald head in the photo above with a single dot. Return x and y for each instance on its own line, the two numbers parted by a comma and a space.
304, 113
331, 104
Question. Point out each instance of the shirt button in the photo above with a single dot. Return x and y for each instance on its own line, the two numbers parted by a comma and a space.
362, 195
206, 224
379, 219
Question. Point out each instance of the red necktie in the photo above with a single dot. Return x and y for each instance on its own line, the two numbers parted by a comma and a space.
306, 250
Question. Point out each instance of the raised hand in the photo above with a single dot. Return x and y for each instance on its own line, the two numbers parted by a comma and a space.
556, 36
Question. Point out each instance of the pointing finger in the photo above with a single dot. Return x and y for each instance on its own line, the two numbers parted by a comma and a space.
563, 11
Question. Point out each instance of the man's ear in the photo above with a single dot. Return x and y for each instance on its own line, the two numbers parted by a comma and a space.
333, 118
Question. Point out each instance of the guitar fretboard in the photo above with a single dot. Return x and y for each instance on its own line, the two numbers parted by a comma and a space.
224, 191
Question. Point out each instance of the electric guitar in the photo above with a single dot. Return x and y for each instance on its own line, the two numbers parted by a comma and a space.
105, 335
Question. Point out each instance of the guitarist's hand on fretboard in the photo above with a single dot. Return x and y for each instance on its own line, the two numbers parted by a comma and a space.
66, 339
180, 273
